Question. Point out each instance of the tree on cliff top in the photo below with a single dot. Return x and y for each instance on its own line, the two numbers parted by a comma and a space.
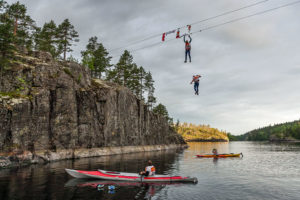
122, 70
23, 25
149, 86
46, 39
128, 74
160, 109
66, 35
6, 36
96, 58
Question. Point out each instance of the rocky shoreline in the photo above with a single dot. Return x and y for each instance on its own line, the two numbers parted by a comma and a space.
41, 157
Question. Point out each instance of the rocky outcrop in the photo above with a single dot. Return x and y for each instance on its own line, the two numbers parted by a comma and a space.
49, 107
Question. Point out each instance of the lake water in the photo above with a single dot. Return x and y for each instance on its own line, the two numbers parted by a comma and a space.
267, 171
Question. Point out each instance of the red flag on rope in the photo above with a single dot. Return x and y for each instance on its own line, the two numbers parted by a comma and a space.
178, 34
163, 37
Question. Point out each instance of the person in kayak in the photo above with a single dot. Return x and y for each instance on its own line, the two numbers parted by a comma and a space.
187, 48
149, 170
196, 83
215, 151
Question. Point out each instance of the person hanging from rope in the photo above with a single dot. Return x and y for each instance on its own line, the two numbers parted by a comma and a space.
187, 47
196, 83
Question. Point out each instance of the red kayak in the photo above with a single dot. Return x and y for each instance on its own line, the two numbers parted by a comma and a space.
220, 155
121, 176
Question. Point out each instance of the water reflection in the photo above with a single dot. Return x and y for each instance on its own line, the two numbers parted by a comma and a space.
207, 147
46, 181
267, 171
144, 190
215, 160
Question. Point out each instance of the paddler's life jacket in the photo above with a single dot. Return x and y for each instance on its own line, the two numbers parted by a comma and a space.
187, 46
151, 170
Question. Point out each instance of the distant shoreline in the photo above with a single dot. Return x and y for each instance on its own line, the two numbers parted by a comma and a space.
203, 140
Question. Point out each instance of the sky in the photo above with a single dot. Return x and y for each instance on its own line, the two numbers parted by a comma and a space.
250, 69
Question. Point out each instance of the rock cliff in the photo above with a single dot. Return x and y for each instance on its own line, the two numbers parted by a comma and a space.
53, 110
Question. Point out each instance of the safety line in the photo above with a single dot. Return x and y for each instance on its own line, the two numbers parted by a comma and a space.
222, 24
197, 22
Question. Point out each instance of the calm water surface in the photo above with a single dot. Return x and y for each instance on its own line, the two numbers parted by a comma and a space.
267, 171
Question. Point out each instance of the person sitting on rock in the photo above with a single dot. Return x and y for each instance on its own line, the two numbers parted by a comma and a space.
149, 170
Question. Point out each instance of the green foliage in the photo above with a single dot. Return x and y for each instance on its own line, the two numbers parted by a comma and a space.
72, 59
284, 131
46, 39
66, 35
234, 137
160, 109
23, 25
128, 74
149, 86
79, 78
122, 70
67, 71
17, 92
6, 37
96, 58
192, 132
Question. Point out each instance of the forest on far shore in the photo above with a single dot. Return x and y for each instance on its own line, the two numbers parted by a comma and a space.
288, 131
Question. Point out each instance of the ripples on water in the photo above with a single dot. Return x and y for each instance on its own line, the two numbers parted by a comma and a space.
267, 171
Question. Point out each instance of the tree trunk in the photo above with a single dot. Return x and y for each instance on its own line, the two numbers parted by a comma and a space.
16, 27
65, 52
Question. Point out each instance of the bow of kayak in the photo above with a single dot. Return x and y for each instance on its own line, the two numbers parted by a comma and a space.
121, 176
220, 155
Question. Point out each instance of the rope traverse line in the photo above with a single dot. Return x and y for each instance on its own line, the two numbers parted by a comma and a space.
197, 22
222, 24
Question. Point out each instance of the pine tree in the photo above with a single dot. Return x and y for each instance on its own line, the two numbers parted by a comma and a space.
66, 35
23, 25
122, 70
46, 39
133, 81
141, 89
6, 36
128, 74
149, 87
160, 109
96, 58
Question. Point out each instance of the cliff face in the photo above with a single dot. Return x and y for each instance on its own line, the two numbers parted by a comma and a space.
47, 107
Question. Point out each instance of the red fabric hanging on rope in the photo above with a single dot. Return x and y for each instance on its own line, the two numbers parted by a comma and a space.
178, 34
163, 37
189, 27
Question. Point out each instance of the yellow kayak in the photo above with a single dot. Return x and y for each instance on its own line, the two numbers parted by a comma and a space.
220, 155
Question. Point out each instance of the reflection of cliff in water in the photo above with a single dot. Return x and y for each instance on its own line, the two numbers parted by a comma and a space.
47, 181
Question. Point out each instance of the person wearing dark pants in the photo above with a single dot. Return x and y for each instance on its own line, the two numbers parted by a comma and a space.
187, 48
196, 83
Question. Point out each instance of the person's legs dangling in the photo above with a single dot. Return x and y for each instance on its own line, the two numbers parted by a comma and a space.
189, 52
197, 88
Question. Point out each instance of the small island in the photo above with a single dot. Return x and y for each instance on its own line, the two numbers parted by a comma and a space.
200, 133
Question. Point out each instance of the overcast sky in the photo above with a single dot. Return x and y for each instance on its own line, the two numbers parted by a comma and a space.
250, 69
